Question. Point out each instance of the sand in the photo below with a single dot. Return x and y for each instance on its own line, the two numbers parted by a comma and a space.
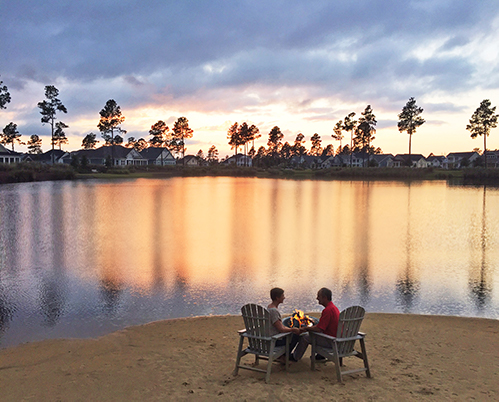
411, 357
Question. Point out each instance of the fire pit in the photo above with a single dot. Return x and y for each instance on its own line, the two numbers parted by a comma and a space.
299, 320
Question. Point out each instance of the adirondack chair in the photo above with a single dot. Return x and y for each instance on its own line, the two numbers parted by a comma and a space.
343, 344
260, 343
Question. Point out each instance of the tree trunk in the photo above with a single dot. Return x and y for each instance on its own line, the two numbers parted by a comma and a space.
410, 138
485, 149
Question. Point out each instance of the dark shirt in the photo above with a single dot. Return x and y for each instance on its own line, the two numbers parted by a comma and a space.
328, 322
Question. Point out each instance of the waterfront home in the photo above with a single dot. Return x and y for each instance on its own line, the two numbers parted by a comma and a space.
190, 160
493, 159
458, 160
239, 160
381, 160
122, 156
412, 160
8, 156
438, 161
158, 156
54, 156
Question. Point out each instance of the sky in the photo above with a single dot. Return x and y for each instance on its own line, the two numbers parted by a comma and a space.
298, 65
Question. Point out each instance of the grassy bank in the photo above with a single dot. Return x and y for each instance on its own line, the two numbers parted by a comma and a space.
25, 172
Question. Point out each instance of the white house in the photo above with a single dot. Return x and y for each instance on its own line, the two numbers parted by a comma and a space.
158, 156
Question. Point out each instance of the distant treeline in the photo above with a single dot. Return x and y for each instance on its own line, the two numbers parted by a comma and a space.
28, 172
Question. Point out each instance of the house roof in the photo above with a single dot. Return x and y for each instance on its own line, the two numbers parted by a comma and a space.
187, 159
153, 152
462, 154
411, 157
47, 156
120, 152
436, 157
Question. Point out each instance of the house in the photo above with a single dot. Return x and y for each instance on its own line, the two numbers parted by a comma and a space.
189, 160
8, 156
493, 159
307, 161
412, 160
382, 160
438, 161
158, 156
122, 156
53, 156
458, 160
239, 160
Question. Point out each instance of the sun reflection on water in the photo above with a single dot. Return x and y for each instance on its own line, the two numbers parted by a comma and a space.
111, 254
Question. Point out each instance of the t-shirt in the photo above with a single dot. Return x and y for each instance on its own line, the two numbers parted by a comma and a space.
274, 316
328, 322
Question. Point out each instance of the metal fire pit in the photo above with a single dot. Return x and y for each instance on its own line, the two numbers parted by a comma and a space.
287, 321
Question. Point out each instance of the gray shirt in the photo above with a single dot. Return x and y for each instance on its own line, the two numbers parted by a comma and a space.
274, 317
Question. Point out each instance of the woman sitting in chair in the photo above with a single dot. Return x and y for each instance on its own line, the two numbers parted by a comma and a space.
277, 296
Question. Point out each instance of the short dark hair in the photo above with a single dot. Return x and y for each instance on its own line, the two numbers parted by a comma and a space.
326, 293
275, 293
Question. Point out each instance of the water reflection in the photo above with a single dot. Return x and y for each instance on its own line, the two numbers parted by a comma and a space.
86, 258
479, 283
407, 285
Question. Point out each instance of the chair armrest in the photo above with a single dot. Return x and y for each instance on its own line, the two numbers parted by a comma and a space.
281, 335
241, 331
322, 335
333, 338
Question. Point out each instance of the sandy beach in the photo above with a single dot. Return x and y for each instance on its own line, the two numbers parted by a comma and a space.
411, 357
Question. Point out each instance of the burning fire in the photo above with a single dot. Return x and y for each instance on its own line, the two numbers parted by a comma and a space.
300, 319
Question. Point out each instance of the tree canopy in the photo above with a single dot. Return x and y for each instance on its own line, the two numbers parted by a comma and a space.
110, 120
49, 108
483, 119
410, 119
10, 135
4, 95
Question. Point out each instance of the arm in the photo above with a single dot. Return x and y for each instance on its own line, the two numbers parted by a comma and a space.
281, 328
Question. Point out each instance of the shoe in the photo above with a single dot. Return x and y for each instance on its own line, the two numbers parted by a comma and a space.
292, 359
319, 357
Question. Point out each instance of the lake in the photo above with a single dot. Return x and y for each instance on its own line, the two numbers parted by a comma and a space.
85, 258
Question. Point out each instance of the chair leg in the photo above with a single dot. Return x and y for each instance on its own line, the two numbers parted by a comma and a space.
271, 358
312, 356
287, 353
337, 362
364, 357
239, 355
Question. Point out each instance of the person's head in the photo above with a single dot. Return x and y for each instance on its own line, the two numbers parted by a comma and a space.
276, 294
324, 296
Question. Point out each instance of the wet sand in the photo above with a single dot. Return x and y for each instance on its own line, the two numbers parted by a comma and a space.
411, 358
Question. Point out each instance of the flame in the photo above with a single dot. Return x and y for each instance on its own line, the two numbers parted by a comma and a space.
300, 319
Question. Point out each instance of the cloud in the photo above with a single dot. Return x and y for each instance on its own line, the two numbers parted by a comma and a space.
318, 60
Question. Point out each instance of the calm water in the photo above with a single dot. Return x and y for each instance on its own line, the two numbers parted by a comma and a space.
81, 259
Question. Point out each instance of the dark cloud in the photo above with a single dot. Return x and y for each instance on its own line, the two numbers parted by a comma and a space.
208, 55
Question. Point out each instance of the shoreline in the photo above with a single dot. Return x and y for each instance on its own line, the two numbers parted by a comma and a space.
415, 357
31, 172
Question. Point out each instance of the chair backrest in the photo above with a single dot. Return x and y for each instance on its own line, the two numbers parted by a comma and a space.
348, 326
257, 323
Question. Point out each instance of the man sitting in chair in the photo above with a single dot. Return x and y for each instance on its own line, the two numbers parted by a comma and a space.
277, 296
328, 324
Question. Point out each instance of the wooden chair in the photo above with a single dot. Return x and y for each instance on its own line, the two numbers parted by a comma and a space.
343, 344
260, 343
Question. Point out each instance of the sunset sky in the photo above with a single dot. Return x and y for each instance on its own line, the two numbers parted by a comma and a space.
300, 65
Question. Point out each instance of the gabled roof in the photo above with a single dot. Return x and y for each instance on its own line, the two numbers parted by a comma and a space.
459, 155
187, 159
47, 156
4, 151
411, 157
439, 158
120, 152
380, 157
153, 152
